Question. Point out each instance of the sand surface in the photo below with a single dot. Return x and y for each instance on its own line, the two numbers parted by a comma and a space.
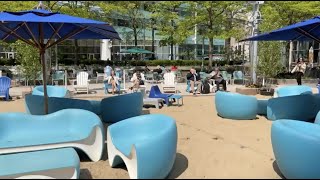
208, 146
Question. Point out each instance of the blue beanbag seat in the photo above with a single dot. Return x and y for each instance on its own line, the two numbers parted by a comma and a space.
236, 106
147, 144
296, 146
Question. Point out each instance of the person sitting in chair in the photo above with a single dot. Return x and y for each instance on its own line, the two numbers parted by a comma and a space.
113, 80
218, 79
194, 78
137, 79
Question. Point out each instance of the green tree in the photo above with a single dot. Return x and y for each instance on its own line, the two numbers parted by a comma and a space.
170, 25
29, 59
216, 19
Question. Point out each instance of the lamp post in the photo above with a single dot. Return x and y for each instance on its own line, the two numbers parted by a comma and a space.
256, 17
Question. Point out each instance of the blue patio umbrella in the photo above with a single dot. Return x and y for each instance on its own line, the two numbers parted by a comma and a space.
43, 29
302, 31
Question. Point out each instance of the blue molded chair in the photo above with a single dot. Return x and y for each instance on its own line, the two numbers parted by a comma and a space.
296, 146
147, 144
117, 108
5, 84
74, 128
34, 104
236, 106
156, 93
61, 163
293, 90
52, 91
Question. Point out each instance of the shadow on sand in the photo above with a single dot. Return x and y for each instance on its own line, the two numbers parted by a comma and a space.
277, 170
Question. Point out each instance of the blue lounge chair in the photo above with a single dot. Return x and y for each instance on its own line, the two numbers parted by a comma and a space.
147, 144
156, 93
75, 128
5, 84
52, 91
61, 163
296, 147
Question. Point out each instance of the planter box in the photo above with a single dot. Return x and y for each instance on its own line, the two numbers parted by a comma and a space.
248, 91
266, 93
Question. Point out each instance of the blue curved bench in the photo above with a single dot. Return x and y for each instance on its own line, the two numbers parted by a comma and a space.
34, 104
52, 91
262, 106
296, 146
300, 107
293, 90
147, 144
61, 163
66, 128
236, 106
117, 108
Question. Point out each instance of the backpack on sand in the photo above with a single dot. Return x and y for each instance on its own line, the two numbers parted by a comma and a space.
205, 88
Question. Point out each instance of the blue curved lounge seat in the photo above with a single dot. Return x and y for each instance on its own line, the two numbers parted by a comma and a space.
156, 93
61, 163
299, 107
117, 108
52, 91
147, 144
5, 84
34, 104
236, 106
296, 146
262, 106
66, 128
293, 90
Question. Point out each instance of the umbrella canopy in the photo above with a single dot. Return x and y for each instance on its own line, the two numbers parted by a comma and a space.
136, 50
43, 29
302, 31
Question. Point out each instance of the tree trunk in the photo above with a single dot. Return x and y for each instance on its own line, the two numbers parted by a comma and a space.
171, 42
135, 34
152, 48
210, 52
76, 46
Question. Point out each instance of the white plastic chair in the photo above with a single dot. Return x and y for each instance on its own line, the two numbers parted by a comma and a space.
82, 82
169, 83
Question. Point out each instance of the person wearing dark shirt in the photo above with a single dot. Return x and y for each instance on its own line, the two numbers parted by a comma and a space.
195, 80
218, 79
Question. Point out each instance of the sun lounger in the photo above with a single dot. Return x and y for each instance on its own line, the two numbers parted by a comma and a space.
66, 128
147, 144
156, 93
61, 163
153, 101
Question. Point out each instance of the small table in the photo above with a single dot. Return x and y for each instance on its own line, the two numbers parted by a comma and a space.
177, 97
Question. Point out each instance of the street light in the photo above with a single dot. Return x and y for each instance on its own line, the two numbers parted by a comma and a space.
256, 18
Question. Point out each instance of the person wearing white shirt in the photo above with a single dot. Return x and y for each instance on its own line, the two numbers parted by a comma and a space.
137, 80
113, 80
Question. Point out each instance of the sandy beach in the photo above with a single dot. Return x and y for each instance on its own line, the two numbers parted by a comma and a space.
208, 145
